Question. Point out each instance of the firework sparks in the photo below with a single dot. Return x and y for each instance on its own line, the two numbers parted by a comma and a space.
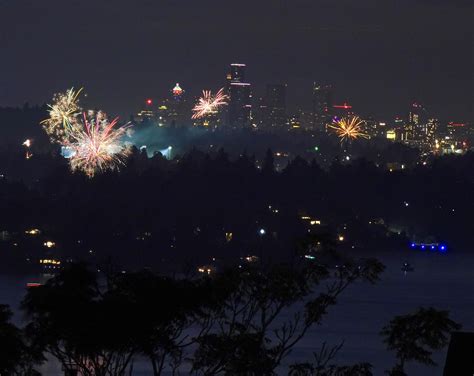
97, 147
209, 104
63, 114
349, 128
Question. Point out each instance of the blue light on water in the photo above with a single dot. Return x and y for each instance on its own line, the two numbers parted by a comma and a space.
434, 247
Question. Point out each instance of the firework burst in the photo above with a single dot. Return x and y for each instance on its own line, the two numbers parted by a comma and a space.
349, 128
63, 115
209, 104
96, 147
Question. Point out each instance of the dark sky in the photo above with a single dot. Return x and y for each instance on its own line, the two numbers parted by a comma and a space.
379, 54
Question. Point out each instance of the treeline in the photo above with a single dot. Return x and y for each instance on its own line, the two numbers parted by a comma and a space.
156, 210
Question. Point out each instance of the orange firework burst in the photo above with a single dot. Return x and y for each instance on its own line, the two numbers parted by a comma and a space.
349, 128
209, 104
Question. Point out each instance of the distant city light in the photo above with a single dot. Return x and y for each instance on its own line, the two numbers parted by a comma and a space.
262, 231
149, 102
33, 231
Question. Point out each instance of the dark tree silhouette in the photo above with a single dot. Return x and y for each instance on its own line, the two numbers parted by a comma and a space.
83, 328
413, 337
268, 166
17, 356
249, 337
322, 366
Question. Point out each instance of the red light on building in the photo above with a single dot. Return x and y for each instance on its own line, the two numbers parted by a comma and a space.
452, 124
344, 106
149, 102
33, 284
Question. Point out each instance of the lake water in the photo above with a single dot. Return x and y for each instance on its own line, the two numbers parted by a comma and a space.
443, 281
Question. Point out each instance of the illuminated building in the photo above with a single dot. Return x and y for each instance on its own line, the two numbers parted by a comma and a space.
417, 114
240, 107
391, 135
429, 130
456, 139
294, 121
417, 124
457, 131
276, 105
178, 92
374, 128
237, 72
322, 105
163, 114
147, 112
176, 107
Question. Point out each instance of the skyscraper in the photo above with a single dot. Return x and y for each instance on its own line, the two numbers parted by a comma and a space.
417, 120
177, 108
276, 105
322, 105
239, 96
237, 72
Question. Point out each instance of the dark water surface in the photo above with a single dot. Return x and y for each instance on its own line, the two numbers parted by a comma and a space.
443, 281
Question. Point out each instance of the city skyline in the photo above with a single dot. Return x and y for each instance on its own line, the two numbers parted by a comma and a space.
378, 58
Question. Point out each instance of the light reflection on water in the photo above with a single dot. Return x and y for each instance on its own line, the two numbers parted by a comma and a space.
443, 281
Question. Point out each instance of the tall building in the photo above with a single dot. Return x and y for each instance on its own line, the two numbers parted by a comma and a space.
276, 106
322, 105
178, 93
239, 97
237, 72
417, 114
417, 122
259, 113
177, 107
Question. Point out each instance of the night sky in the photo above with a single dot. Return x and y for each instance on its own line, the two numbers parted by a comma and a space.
379, 54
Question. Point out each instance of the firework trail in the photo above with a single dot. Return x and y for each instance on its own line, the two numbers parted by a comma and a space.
63, 116
96, 147
349, 128
209, 104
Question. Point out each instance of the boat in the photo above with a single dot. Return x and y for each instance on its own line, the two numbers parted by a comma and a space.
407, 267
